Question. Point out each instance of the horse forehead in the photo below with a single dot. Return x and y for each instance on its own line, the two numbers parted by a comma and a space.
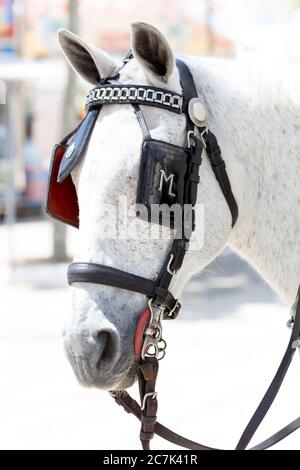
116, 139
114, 142
116, 126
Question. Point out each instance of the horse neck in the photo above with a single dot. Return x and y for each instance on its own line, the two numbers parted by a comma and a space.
259, 138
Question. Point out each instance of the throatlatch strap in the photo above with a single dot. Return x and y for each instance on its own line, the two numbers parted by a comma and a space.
219, 169
212, 147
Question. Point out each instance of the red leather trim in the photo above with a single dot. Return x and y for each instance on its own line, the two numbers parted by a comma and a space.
139, 334
61, 203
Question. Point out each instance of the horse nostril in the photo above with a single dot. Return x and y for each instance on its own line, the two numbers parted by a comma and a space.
107, 349
103, 341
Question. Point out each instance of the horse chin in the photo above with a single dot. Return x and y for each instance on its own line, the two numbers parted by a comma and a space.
128, 379
122, 382
107, 384
118, 379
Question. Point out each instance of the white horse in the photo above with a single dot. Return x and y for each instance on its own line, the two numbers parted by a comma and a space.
257, 124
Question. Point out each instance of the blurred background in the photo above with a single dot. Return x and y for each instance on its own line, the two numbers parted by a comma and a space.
41, 405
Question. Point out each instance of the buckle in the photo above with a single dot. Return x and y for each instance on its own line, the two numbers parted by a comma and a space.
190, 139
171, 271
291, 321
151, 395
172, 314
296, 344
290, 324
128, 57
203, 132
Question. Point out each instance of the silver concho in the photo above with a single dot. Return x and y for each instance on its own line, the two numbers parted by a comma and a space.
70, 150
197, 112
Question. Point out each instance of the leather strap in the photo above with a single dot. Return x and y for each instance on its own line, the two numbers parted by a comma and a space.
193, 178
219, 169
131, 406
109, 276
212, 147
147, 375
278, 436
188, 87
275, 385
141, 121
122, 398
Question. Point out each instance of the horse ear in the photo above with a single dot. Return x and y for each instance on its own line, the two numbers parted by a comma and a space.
152, 50
91, 63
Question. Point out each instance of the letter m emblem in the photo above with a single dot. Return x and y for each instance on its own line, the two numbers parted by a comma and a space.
169, 180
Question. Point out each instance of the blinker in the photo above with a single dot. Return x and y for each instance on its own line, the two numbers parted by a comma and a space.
161, 182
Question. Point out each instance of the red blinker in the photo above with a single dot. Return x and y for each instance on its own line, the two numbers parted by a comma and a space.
139, 334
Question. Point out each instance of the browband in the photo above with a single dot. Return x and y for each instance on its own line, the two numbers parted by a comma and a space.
118, 93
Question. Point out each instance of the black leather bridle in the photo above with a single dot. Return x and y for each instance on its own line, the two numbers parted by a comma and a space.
149, 345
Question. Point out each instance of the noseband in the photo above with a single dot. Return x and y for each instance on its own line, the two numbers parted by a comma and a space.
168, 175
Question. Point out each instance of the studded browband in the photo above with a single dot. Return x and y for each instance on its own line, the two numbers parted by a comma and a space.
134, 94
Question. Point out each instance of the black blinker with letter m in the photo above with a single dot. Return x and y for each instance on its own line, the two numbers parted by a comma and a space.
161, 182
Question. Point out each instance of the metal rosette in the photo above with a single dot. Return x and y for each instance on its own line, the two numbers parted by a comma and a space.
197, 112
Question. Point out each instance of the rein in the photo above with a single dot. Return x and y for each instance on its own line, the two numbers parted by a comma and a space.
147, 374
170, 164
